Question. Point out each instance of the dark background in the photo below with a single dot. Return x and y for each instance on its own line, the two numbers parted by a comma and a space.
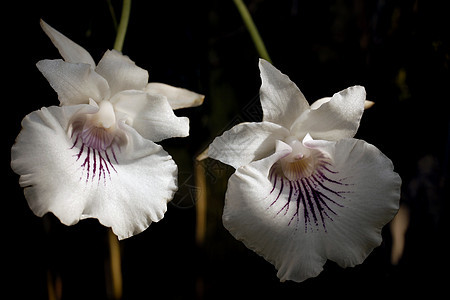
398, 50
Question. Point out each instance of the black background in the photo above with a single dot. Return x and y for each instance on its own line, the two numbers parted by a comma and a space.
398, 50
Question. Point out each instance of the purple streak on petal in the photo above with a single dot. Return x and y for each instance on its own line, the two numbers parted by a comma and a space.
300, 200
320, 183
95, 165
289, 199
102, 170
275, 183
271, 174
109, 161
101, 165
281, 189
114, 155
309, 200
323, 177
316, 196
81, 152
76, 141
86, 163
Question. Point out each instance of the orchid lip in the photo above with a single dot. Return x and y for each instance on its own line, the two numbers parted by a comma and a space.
304, 179
98, 130
98, 137
301, 162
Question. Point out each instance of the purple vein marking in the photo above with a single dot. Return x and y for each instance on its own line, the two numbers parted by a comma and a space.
316, 197
96, 163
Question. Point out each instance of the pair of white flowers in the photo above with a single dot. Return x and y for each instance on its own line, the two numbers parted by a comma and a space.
304, 189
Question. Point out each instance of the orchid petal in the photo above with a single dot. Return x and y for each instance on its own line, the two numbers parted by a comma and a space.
70, 51
124, 187
370, 198
318, 103
246, 142
150, 114
121, 72
138, 196
177, 97
281, 100
74, 83
249, 216
45, 172
333, 118
337, 213
368, 104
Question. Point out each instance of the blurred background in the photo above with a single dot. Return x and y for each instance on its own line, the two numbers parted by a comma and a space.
398, 50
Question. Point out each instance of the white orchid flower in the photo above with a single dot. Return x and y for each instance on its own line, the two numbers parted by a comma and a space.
95, 155
304, 189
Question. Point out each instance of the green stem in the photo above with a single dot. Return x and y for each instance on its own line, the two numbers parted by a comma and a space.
113, 14
122, 29
257, 40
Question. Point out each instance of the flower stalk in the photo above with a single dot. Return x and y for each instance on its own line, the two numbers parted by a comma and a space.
123, 25
251, 27
114, 247
115, 264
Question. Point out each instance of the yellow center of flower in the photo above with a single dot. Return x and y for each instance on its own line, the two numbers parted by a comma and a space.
300, 163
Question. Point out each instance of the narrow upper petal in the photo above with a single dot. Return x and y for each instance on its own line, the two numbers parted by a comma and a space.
150, 114
281, 100
335, 213
246, 142
333, 118
70, 51
121, 72
125, 187
177, 97
75, 83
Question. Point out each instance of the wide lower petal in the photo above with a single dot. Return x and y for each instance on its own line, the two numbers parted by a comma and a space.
70, 51
121, 72
252, 216
333, 118
370, 198
125, 187
75, 83
336, 213
177, 97
44, 161
145, 180
150, 114
281, 100
246, 142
